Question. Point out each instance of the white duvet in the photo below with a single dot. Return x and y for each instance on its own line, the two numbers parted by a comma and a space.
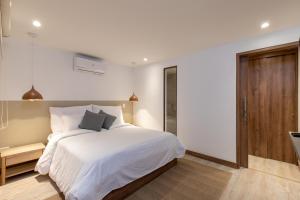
87, 165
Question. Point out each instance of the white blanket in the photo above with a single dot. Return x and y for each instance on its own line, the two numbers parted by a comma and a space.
87, 165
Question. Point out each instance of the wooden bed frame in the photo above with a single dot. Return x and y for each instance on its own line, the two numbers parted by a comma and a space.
130, 188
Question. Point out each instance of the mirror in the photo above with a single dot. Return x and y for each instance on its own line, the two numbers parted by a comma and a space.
170, 99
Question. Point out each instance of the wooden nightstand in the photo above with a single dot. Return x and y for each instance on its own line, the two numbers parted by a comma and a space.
18, 160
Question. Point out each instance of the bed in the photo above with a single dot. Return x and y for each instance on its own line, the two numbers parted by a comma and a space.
89, 165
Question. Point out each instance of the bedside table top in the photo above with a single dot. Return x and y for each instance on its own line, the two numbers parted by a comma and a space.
22, 149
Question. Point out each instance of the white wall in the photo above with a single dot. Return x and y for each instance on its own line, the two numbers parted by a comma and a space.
206, 94
55, 78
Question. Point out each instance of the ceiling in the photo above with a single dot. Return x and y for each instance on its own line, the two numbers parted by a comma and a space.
126, 31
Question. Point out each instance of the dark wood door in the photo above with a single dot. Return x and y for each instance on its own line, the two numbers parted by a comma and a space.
271, 103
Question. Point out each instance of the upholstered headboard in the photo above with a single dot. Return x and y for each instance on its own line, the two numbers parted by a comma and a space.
29, 122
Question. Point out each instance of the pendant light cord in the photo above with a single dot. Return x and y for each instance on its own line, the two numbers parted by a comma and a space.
3, 92
32, 58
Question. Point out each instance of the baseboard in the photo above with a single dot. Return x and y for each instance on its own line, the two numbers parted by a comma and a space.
213, 159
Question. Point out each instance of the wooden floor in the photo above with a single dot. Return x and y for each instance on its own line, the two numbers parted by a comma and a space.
242, 184
274, 167
188, 180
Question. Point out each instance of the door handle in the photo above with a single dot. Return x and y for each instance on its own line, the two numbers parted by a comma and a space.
245, 114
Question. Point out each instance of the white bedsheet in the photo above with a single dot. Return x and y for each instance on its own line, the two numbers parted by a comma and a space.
87, 165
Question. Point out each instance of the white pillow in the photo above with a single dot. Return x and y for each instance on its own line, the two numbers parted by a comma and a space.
55, 119
72, 121
112, 110
56, 113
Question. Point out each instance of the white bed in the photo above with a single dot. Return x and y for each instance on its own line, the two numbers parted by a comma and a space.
87, 165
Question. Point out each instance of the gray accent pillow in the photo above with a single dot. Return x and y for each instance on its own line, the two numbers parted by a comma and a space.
92, 121
109, 119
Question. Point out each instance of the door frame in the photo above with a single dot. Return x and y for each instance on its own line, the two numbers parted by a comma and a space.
164, 99
241, 136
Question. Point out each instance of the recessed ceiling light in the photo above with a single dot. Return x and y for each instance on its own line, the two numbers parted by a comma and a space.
145, 59
264, 25
36, 23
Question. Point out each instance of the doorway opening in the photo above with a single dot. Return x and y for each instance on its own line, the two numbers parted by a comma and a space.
170, 99
267, 104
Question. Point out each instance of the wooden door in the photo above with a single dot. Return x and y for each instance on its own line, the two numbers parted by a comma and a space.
271, 97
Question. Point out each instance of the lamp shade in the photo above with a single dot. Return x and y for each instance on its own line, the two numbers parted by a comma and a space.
32, 95
133, 98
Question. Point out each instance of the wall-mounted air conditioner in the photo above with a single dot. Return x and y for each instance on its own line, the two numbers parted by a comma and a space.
83, 63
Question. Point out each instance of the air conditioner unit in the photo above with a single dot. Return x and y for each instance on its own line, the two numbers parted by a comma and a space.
84, 63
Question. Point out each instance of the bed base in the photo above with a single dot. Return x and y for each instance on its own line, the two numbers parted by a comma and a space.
130, 188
